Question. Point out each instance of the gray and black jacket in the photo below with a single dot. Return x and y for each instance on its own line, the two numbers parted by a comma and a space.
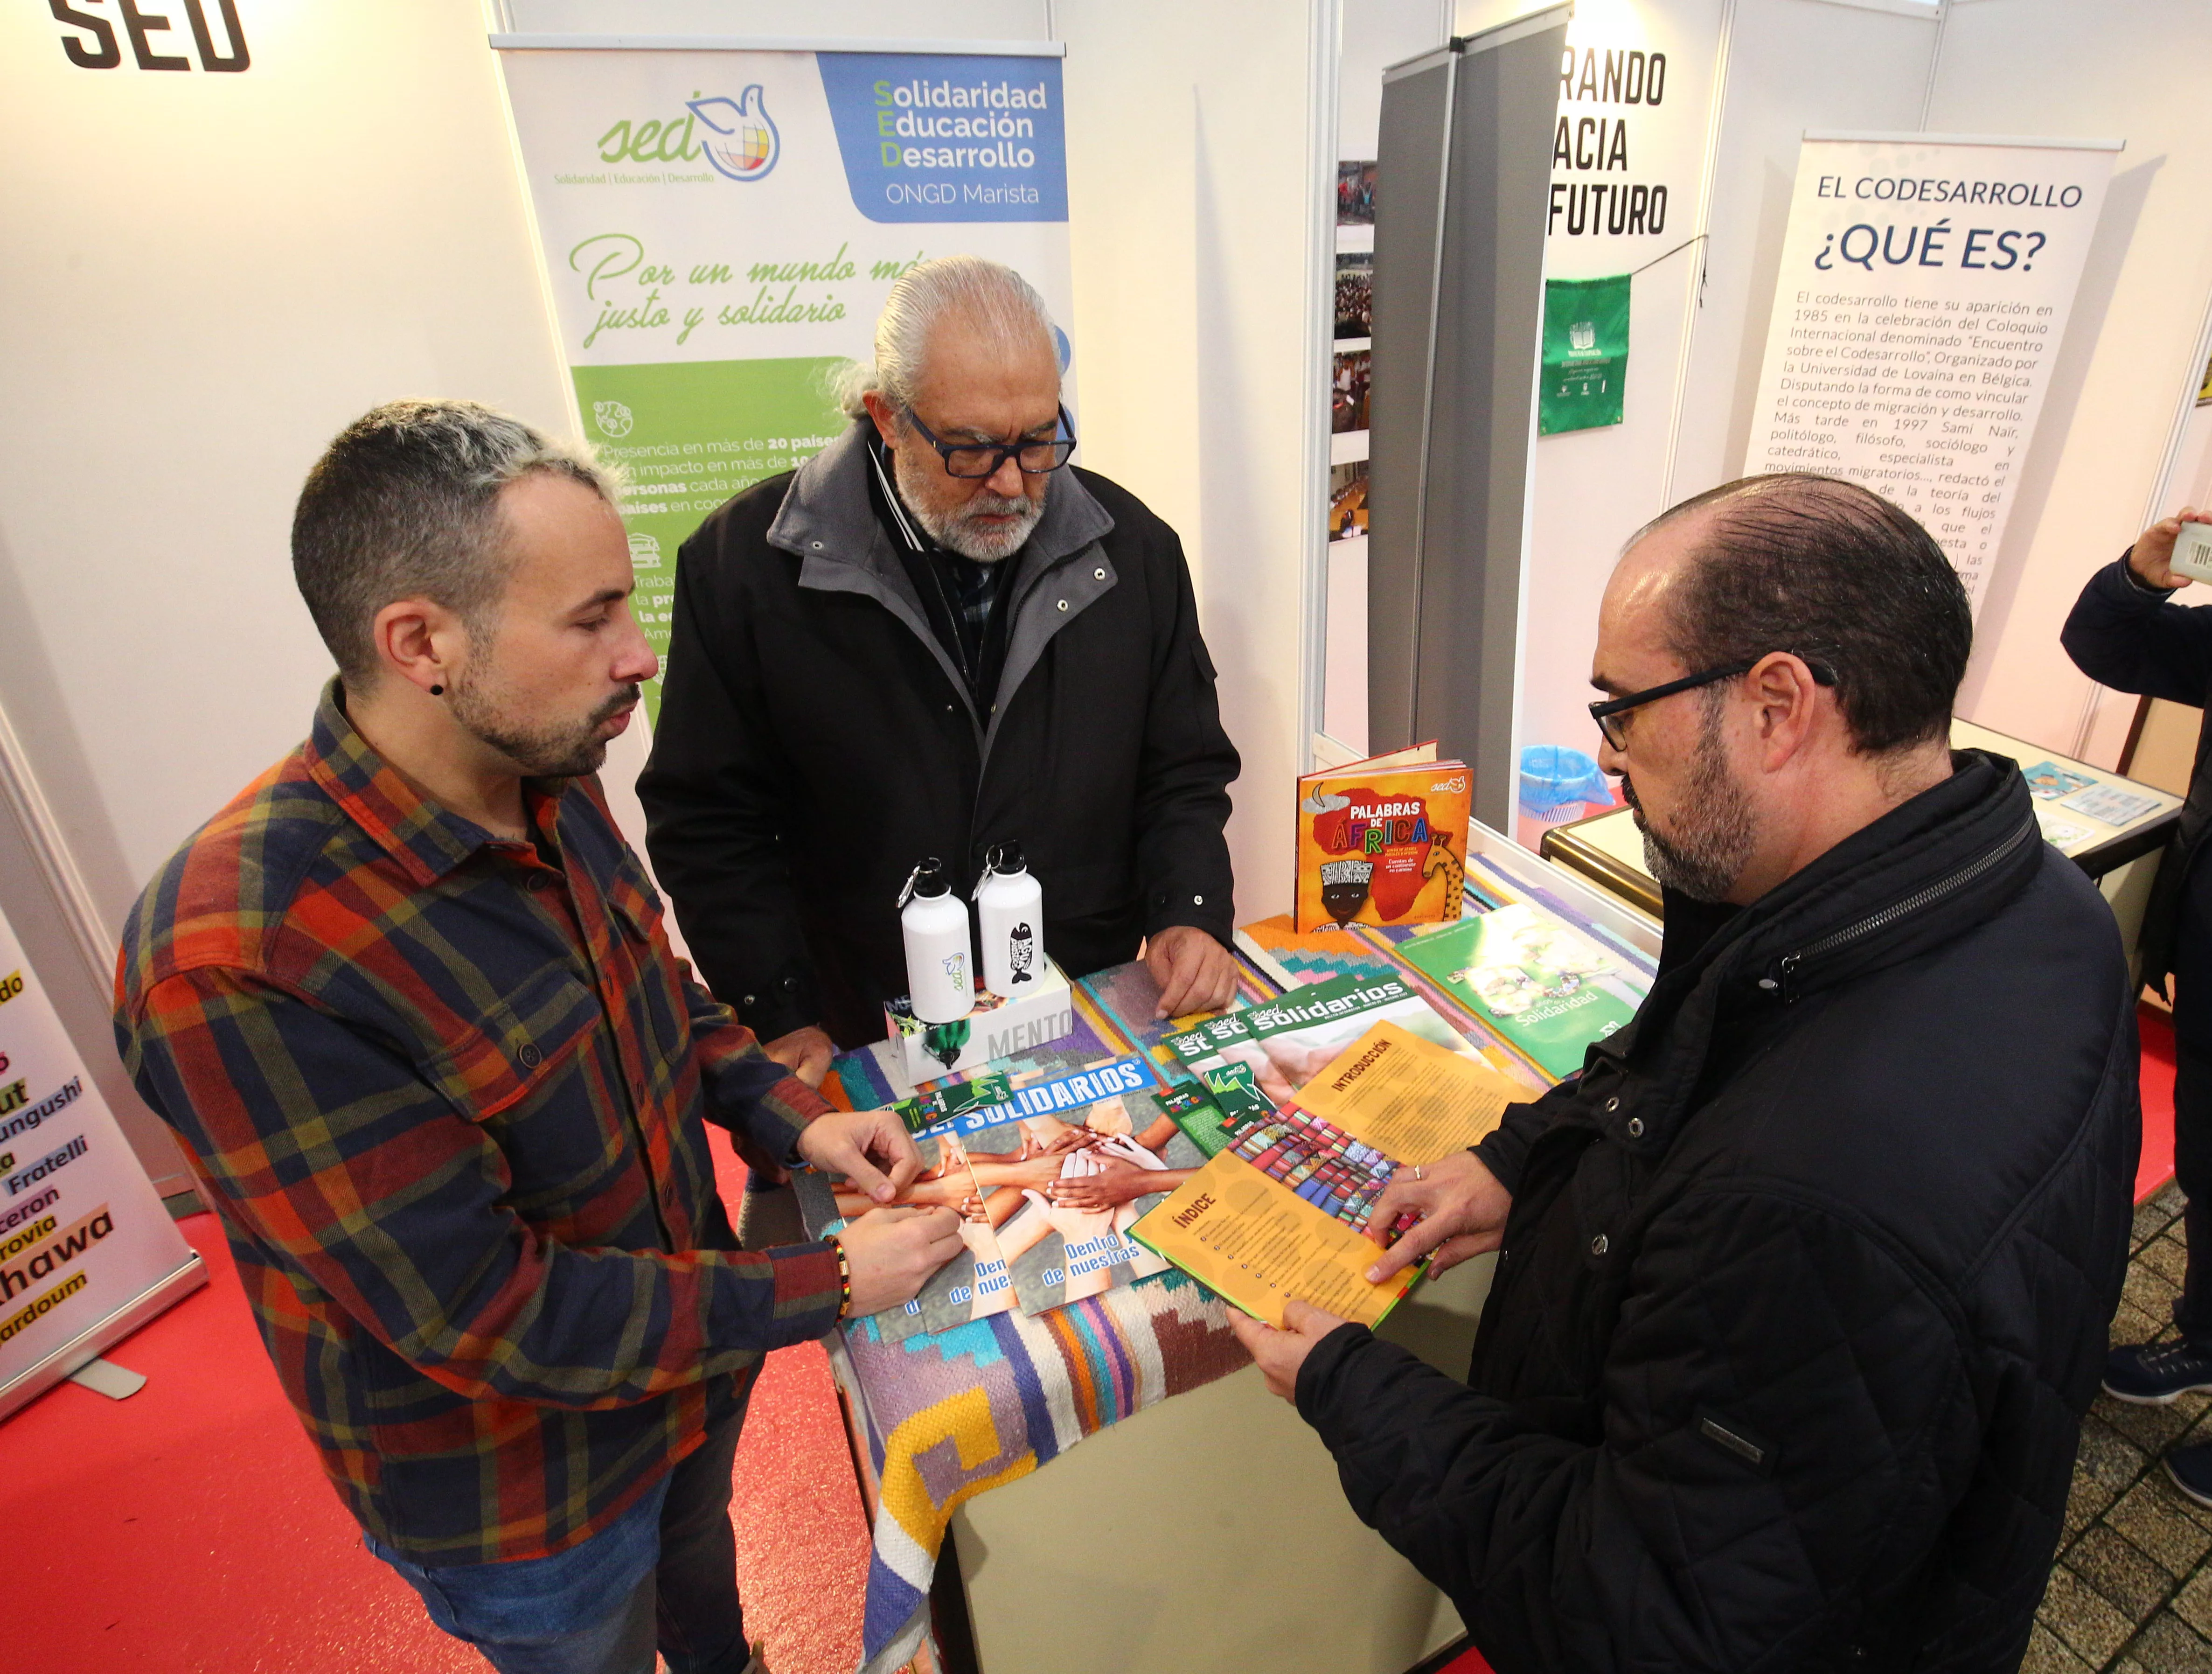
816, 740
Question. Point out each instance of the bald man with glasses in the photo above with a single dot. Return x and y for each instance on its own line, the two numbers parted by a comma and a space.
1802, 1282
936, 637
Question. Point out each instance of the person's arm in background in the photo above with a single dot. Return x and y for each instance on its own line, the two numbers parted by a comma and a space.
1182, 804
710, 793
2123, 631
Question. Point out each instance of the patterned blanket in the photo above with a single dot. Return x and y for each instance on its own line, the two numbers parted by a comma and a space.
953, 1414
950, 1414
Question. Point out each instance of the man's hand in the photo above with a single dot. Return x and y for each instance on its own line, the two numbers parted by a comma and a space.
892, 1252
1115, 1183
871, 1149
1462, 1210
2152, 556
804, 1052
1279, 1355
1196, 973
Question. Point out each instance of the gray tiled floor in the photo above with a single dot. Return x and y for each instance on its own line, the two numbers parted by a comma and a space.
2132, 1590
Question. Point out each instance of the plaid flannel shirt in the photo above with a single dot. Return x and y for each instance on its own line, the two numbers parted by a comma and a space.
447, 1097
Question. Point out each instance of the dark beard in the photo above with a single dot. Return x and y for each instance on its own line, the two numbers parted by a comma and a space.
549, 752
1717, 831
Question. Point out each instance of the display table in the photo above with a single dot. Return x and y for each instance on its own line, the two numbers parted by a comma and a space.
1164, 1543
2122, 857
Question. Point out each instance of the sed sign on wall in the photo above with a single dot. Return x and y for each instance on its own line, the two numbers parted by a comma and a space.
142, 27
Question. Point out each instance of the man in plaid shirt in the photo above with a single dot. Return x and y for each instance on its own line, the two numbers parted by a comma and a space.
408, 1004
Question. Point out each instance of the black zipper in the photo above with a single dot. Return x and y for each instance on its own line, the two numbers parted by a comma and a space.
1889, 915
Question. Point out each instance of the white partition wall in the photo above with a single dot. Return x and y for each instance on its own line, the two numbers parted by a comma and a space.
2131, 363
1196, 166
212, 273
2118, 406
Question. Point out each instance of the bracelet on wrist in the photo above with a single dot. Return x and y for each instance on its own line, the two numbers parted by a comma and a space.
844, 1277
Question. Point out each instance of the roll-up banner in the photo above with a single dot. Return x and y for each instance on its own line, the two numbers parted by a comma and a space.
87, 1250
720, 229
1924, 288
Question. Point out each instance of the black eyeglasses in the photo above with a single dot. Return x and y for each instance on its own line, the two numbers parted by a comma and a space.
1036, 458
1608, 711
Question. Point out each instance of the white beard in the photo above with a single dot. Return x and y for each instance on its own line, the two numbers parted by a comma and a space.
952, 531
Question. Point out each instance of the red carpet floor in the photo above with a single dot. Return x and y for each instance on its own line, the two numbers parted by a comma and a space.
188, 1530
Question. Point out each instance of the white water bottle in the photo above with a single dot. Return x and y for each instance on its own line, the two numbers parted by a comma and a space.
1010, 904
934, 922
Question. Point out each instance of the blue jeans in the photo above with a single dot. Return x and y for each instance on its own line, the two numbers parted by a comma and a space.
663, 1574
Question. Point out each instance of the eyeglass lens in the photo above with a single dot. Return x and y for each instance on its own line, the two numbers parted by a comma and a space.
1035, 458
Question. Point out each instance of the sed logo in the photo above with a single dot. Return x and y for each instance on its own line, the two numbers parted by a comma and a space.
150, 31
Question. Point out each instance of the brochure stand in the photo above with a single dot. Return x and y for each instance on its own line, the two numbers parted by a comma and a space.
87, 1251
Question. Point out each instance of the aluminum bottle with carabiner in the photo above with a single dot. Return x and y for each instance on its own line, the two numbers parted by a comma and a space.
933, 922
1010, 903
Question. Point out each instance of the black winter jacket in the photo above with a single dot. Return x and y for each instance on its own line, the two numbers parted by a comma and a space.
1805, 1284
2125, 635
815, 742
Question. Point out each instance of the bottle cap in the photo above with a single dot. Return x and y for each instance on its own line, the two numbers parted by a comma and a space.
1006, 857
926, 879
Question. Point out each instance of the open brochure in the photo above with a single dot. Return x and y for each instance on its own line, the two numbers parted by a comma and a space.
1286, 1209
1282, 1042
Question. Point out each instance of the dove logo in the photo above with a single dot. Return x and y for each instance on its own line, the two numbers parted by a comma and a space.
741, 140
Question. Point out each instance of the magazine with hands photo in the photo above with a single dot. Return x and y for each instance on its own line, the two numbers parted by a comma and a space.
1059, 1189
973, 1285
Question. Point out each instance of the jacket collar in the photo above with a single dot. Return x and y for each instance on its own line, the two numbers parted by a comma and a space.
826, 514
1920, 876
427, 840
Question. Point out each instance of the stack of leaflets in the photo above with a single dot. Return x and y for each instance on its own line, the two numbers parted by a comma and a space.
1547, 990
1258, 1057
1049, 1171
1286, 1208
873, 1078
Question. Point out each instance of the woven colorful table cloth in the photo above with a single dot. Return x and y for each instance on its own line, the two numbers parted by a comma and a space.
953, 1414
950, 1414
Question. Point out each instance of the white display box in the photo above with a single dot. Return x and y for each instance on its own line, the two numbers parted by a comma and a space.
995, 1029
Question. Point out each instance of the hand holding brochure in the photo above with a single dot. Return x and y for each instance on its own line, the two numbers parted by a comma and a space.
1251, 1241
1281, 1213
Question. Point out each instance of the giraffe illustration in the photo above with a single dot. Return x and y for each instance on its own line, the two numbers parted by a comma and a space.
1440, 858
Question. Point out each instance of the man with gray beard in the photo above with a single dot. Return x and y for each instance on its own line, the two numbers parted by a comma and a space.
1802, 1282
932, 638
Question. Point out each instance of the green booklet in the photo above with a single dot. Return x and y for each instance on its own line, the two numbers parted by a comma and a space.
1546, 987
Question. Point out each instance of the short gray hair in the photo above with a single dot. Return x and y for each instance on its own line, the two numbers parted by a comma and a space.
989, 294
404, 504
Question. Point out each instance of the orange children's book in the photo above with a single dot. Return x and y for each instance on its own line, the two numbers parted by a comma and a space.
1383, 841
